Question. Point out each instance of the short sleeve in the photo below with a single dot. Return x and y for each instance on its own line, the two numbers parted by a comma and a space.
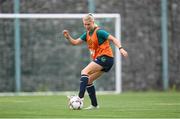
83, 36
102, 36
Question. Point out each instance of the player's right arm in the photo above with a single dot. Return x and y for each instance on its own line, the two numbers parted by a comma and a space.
70, 39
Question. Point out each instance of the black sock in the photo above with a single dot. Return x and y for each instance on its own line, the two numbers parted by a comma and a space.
83, 83
92, 94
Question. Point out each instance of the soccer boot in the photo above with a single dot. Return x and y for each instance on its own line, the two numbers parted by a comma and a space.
91, 107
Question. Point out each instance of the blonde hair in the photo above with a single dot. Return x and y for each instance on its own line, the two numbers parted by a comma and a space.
90, 17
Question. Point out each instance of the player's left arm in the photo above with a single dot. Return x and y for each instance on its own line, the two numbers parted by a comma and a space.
117, 43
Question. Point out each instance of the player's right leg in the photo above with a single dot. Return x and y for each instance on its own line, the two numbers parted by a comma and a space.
91, 68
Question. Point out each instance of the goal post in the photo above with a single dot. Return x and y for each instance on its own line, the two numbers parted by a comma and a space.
117, 24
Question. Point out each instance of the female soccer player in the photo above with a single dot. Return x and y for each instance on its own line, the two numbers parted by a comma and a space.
98, 43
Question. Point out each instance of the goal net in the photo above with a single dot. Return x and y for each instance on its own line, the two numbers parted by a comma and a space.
41, 59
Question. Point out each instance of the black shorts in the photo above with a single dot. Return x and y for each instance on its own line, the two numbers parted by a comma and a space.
105, 61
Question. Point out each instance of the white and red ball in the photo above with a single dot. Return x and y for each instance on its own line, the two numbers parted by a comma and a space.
75, 103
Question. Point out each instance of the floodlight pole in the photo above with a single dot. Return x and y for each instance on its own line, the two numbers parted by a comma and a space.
164, 29
91, 6
17, 48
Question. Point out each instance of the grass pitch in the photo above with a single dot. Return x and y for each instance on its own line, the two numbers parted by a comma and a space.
125, 105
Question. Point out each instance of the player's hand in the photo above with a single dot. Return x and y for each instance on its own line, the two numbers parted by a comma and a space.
66, 33
124, 53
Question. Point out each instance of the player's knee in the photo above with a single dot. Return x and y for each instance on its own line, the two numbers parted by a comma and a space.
84, 78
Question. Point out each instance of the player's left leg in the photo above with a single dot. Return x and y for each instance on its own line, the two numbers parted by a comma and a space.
91, 89
94, 76
106, 62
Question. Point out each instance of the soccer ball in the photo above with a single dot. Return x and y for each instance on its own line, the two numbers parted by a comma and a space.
75, 103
